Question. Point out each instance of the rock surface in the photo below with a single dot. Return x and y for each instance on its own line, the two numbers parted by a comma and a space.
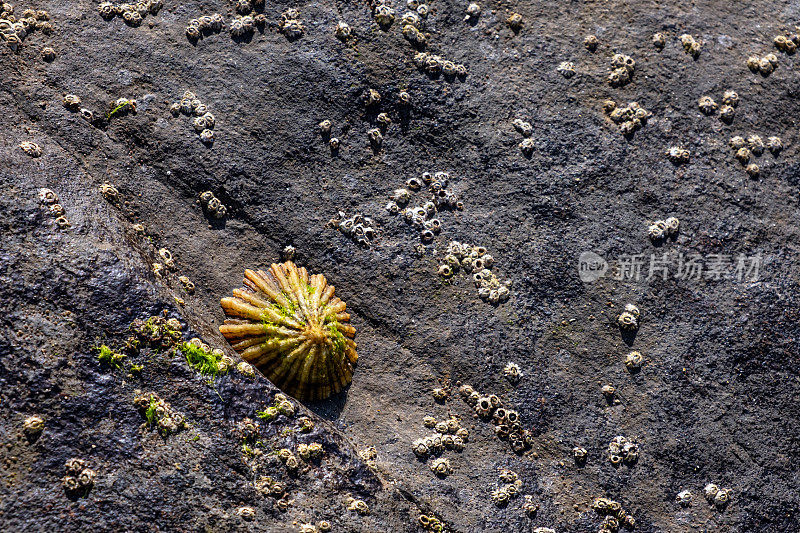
715, 400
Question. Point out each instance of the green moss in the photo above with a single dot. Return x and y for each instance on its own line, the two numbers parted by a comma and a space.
268, 414
150, 413
136, 369
207, 363
108, 356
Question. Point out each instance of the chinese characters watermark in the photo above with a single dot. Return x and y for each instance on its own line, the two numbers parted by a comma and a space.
670, 265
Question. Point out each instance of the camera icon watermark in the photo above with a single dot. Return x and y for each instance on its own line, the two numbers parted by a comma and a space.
591, 267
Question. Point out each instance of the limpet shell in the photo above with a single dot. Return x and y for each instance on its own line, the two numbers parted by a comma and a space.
291, 327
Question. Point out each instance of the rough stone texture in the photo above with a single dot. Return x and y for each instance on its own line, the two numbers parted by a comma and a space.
715, 400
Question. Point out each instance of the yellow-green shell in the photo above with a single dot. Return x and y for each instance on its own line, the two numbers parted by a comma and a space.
291, 327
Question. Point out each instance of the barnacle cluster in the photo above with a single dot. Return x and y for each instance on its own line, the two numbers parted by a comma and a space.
204, 121
449, 435
690, 45
530, 508
507, 424
678, 155
50, 199
434, 65
187, 284
292, 327
156, 332
358, 228
661, 229
212, 205
718, 496
204, 359
290, 24
622, 67
431, 523
203, 26
79, 479
423, 218
614, 516
566, 69
621, 450
788, 43
629, 318
119, 107
730, 99
359, 506
476, 261
508, 489
246, 369
14, 30
764, 65
753, 146
630, 118
383, 13
31, 148
281, 406
133, 14
412, 27
267, 486
32, 427
246, 430
159, 414
523, 127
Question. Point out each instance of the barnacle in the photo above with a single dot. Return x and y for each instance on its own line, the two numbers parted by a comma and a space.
633, 361
359, 506
659, 41
590, 43
752, 170
343, 31
580, 454
707, 105
678, 155
48, 54
72, 102
523, 127
33, 427
512, 372
629, 318
292, 327
756, 144
726, 113
31, 148
684, 498
730, 98
774, 144
567, 69
441, 467
690, 45
514, 21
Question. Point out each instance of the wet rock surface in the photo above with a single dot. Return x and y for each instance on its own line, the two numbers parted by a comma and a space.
714, 400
